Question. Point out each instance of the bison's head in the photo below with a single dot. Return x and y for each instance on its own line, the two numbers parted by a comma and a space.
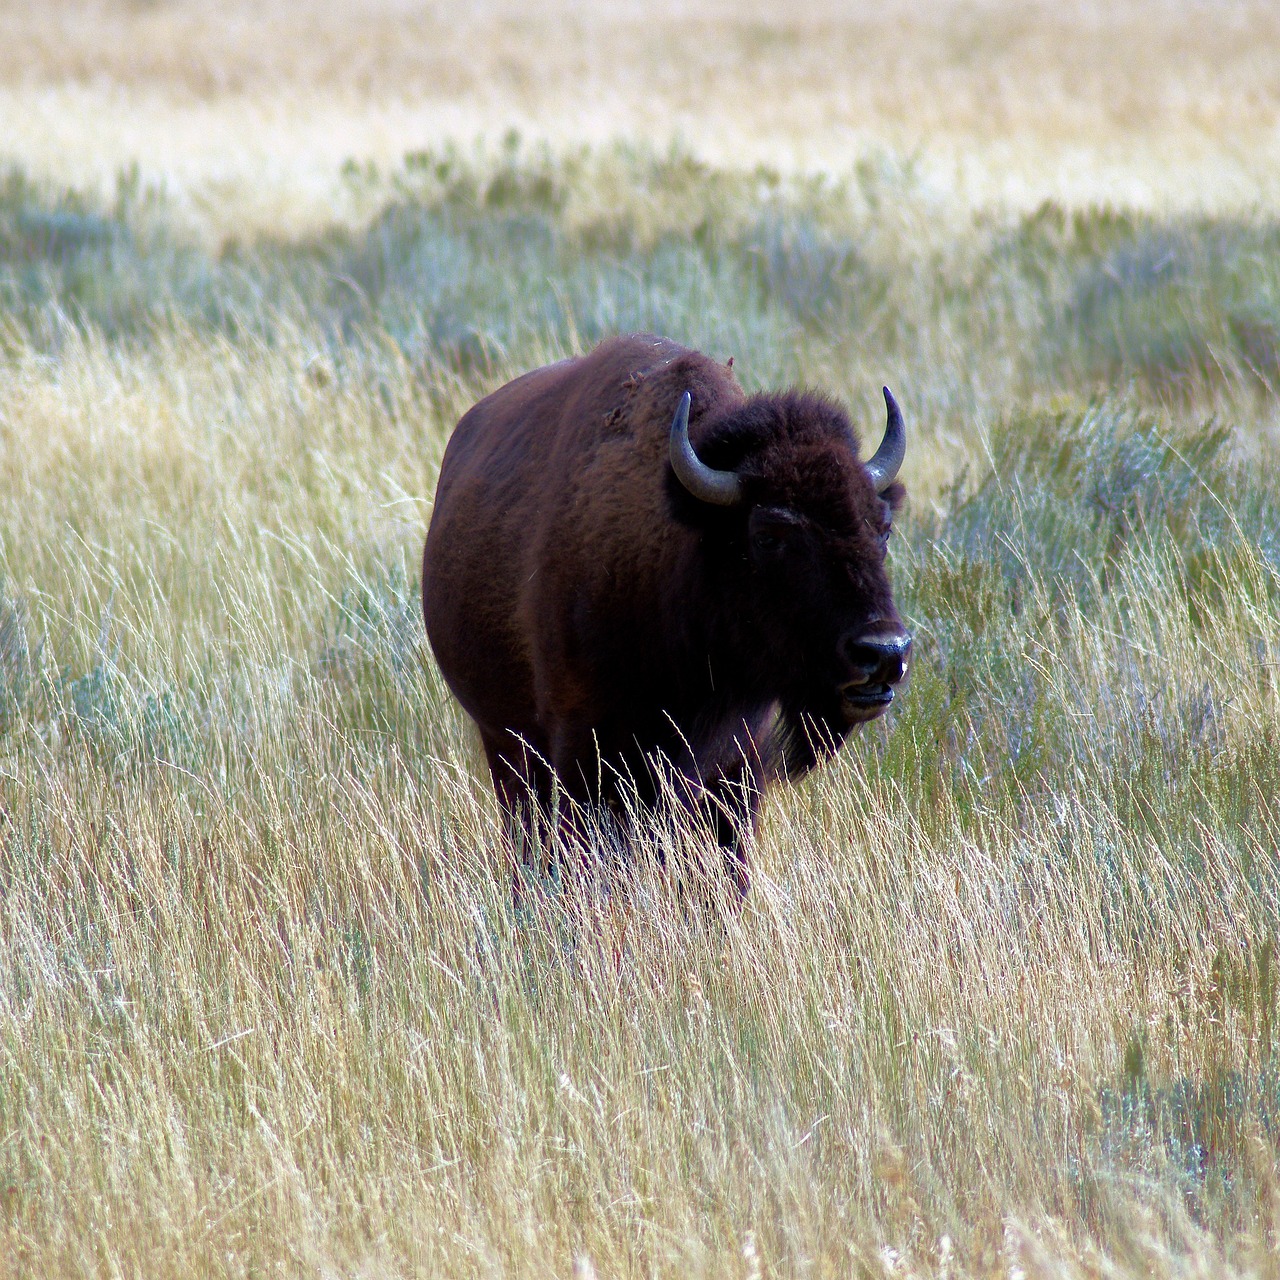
796, 528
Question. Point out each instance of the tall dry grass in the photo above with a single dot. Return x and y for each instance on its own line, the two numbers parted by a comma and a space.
1004, 997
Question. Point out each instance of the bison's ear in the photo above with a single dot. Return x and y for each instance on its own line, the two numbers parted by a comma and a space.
894, 496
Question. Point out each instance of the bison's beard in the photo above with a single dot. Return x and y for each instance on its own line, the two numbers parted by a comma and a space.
804, 736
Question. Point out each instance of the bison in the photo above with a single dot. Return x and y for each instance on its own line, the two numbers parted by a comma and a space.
642, 583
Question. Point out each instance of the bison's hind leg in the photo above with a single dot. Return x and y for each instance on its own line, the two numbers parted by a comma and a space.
733, 810
523, 783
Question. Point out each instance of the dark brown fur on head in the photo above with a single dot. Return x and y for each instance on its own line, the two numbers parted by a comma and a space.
798, 456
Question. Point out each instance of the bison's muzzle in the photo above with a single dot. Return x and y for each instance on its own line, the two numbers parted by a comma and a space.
877, 662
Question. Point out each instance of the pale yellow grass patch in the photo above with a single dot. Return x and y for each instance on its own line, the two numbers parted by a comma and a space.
248, 111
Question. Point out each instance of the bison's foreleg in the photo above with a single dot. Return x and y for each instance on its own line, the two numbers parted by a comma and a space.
724, 806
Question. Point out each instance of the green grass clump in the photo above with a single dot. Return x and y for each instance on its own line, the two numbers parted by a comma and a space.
486, 259
1004, 994
1179, 306
1052, 599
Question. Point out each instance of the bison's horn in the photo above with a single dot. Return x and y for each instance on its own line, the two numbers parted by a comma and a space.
723, 488
884, 464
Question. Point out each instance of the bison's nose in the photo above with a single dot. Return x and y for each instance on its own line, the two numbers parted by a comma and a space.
877, 658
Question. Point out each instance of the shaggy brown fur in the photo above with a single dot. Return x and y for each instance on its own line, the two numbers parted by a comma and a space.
610, 633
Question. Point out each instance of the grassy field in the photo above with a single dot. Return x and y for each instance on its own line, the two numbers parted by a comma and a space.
1004, 999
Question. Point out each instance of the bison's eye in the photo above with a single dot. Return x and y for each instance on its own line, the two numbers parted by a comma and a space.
886, 524
771, 531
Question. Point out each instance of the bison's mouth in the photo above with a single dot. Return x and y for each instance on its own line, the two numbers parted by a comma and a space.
865, 701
